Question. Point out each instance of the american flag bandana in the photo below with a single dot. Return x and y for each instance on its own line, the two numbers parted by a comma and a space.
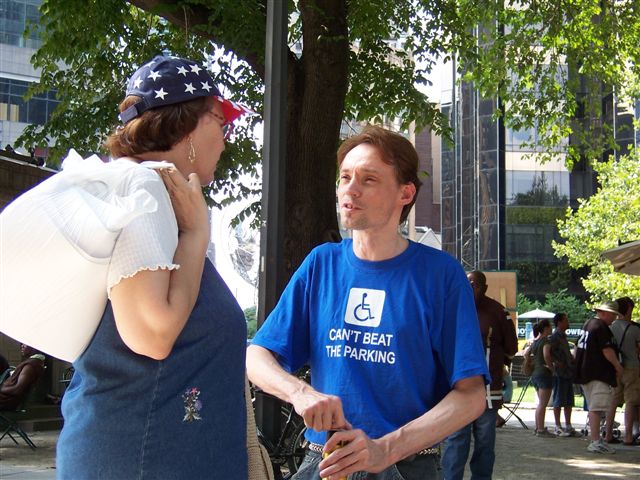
169, 80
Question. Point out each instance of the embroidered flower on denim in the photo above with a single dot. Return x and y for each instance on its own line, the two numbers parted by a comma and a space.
192, 405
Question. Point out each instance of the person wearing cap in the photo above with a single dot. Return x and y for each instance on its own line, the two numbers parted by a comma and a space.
159, 391
388, 327
597, 369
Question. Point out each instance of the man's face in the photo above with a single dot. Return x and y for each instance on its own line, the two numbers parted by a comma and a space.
369, 194
563, 324
26, 350
606, 317
477, 286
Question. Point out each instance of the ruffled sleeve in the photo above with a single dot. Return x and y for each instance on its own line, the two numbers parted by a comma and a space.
148, 242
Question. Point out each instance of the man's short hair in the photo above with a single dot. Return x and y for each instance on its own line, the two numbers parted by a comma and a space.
395, 150
481, 277
625, 304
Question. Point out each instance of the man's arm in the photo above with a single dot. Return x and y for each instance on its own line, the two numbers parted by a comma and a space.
510, 340
319, 411
461, 406
610, 354
548, 359
26, 378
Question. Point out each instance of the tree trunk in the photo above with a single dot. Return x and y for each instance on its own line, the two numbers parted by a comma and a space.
317, 90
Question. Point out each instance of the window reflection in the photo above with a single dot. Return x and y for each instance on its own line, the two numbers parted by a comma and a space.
15, 15
14, 109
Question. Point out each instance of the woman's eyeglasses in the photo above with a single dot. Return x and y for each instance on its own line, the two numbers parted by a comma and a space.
227, 130
227, 127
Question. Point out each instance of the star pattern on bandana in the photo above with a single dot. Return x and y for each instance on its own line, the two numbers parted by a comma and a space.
161, 93
182, 71
206, 86
154, 75
189, 88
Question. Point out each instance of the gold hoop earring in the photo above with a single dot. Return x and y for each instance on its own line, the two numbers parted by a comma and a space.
192, 151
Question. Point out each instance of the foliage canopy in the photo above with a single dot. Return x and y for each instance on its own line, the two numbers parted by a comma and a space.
607, 218
549, 61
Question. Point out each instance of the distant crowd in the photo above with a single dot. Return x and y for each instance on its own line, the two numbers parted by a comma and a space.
604, 362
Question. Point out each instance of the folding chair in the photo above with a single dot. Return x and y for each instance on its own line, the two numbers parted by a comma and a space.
9, 425
517, 374
513, 406
9, 418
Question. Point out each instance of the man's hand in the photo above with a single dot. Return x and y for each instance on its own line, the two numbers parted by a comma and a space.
360, 453
619, 371
320, 412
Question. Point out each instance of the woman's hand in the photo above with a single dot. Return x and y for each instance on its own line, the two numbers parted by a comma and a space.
187, 200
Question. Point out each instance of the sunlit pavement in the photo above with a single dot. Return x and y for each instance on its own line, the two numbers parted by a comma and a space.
519, 454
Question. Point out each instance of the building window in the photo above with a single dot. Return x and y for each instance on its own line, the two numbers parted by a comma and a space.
15, 15
14, 109
537, 187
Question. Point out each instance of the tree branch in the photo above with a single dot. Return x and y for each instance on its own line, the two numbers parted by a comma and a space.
190, 15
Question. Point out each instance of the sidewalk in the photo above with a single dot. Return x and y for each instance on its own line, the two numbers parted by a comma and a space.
19, 462
519, 454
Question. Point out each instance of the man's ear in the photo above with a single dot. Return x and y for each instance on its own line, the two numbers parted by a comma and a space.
408, 192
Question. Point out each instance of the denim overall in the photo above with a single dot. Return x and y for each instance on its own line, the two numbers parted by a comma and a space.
128, 416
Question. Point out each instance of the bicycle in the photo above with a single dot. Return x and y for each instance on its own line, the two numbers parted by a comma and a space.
287, 453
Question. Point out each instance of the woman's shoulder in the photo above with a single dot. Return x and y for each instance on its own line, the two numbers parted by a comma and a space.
145, 171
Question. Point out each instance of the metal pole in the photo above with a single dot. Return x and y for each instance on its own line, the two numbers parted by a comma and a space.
273, 159
267, 408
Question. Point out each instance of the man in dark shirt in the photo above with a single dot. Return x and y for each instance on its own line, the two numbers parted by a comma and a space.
500, 343
597, 367
15, 388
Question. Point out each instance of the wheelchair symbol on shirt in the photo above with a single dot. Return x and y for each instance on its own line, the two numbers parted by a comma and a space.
364, 307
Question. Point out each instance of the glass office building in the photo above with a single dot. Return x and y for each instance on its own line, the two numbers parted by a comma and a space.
17, 73
499, 206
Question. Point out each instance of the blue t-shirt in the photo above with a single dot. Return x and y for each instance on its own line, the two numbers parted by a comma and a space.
390, 338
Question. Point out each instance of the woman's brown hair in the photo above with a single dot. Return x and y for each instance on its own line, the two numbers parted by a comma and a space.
158, 129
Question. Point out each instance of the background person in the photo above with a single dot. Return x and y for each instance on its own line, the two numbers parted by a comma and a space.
563, 368
159, 392
387, 325
16, 387
597, 367
500, 343
542, 376
627, 337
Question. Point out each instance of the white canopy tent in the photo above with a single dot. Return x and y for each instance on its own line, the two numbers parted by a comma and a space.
537, 313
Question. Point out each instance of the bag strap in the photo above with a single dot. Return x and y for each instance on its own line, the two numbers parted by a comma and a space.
623, 335
258, 462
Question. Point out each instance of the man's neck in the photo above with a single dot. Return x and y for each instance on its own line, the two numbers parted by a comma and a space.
377, 247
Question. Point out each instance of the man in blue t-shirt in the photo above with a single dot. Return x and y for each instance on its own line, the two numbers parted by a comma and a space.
388, 326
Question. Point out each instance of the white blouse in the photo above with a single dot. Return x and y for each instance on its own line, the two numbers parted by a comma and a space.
150, 240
